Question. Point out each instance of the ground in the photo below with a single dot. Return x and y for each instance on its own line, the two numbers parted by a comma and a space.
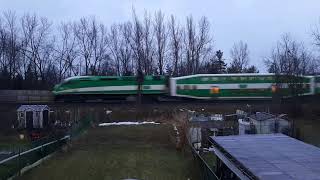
142, 152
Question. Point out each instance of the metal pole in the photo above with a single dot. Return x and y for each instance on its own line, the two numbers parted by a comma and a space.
19, 165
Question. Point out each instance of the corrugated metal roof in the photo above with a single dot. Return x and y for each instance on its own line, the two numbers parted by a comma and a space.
272, 156
261, 116
32, 107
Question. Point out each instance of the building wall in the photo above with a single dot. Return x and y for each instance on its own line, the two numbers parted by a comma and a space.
270, 126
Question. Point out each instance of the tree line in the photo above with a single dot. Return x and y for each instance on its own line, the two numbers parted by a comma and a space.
36, 54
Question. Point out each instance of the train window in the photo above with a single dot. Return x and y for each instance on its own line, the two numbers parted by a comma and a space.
156, 77
214, 79
243, 78
205, 79
306, 86
194, 87
148, 78
178, 87
68, 82
186, 87
108, 78
128, 78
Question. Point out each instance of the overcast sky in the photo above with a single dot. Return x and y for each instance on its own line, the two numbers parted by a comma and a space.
260, 23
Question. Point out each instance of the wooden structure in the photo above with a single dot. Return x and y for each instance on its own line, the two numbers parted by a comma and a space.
33, 116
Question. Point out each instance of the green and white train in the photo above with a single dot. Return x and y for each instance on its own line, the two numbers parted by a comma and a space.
199, 86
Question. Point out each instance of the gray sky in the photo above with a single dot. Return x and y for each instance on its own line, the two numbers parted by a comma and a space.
260, 23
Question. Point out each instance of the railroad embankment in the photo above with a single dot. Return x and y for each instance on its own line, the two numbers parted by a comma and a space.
25, 96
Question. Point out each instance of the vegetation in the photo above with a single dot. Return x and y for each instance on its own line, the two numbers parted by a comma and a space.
142, 152
36, 54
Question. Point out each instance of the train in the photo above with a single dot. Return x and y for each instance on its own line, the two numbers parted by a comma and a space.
198, 86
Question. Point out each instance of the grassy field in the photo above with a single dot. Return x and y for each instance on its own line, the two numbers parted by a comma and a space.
142, 152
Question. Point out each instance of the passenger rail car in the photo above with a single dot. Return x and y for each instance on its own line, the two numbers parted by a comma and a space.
232, 86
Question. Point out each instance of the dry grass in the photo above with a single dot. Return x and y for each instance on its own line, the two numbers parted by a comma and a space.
142, 152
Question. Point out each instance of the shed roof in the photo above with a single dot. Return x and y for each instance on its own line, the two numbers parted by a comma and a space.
33, 108
271, 156
261, 116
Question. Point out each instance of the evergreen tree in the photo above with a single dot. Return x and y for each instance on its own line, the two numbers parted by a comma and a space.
5, 78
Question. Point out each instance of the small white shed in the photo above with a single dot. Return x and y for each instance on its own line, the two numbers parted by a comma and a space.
33, 116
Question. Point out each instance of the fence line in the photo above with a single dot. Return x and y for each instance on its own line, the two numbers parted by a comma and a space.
14, 165
33, 149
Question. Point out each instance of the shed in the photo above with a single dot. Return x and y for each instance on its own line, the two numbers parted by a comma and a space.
33, 116
266, 123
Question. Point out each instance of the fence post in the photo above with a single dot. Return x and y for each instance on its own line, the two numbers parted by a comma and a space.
19, 159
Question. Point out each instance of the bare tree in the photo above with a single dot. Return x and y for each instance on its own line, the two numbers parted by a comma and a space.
161, 40
125, 49
197, 44
66, 52
289, 60
290, 57
176, 35
190, 45
37, 42
10, 44
316, 35
120, 49
148, 42
114, 46
240, 57
136, 42
92, 41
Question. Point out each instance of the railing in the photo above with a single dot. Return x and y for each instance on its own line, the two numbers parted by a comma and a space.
205, 171
13, 165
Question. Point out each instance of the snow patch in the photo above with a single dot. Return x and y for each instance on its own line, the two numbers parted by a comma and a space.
127, 123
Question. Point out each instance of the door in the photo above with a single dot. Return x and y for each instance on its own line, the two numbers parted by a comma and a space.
29, 120
45, 118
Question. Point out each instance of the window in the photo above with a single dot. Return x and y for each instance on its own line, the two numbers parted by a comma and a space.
157, 78
205, 79
186, 87
85, 80
194, 87
108, 78
214, 79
